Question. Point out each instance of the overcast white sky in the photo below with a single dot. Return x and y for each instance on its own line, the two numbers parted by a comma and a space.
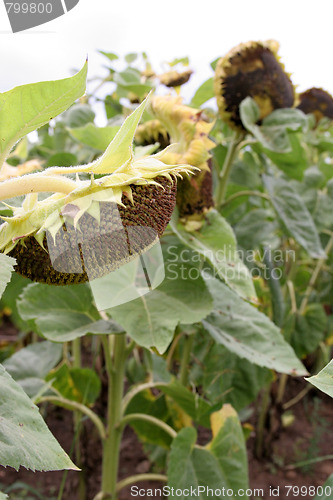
202, 30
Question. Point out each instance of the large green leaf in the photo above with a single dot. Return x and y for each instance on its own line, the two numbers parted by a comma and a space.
228, 446
278, 136
203, 94
28, 107
3, 496
95, 137
305, 331
25, 439
221, 464
151, 319
216, 242
63, 313
154, 405
294, 215
191, 467
250, 334
194, 405
223, 376
6, 269
77, 384
324, 379
30, 365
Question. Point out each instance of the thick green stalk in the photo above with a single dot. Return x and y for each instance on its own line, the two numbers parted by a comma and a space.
111, 446
226, 169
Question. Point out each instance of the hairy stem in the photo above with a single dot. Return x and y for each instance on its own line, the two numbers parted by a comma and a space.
35, 183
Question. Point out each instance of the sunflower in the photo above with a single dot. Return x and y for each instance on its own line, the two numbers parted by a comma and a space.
251, 69
87, 227
316, 101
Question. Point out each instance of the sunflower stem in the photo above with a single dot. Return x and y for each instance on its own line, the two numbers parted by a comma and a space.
35, 183
226, 169
111, 447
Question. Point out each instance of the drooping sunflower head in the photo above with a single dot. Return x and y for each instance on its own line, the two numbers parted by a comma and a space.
251, 69
151, 132
88, 228
174, 78
316, 101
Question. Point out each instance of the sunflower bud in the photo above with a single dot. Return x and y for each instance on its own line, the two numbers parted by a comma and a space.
316, 101
251, 69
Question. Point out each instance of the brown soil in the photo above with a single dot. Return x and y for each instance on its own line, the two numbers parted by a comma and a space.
307, 437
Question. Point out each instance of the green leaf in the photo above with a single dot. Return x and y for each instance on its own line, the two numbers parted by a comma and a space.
228, 446
30, 365
62, 314
180, 60
223, 376
77, 384
273, 133
131, 57
25, 439
308, 329
149, 404
221, 464
203, 94
28, 107
3, 496
130, 81
120, 150
194, 405
62, 159
216, 242
148, 320
324, 379
277, 136
110, 55
256, 228
191, 467
79, 115
250, 334
294, 215
95, 137
6, 269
